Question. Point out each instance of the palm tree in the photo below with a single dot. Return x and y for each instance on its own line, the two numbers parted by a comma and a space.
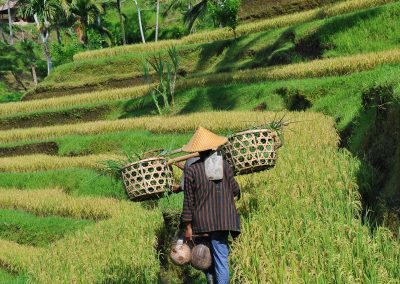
121, 22
85, 14
28, 51
195, 12
140, 20
10, 23
157, 14
43, 11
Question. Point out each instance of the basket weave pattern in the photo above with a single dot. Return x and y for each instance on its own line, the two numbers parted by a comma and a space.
147, 179
251, 151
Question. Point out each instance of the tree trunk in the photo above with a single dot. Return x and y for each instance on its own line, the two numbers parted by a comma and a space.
19, 81
44, 34
10, 23
121, 22
34, 76
157, 15
3, 36
140, 21
47, 51
59, 39
85, 36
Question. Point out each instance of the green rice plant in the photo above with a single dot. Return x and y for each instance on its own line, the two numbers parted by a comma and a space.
114, 167
317, 68
11, 278
301, 221
120, 249
70, 101
244, 29
17, 258
27, 229
48, 202
31, 163
215, 121
86, 182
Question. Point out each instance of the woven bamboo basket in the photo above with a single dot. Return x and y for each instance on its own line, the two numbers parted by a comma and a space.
147, 179
252, 150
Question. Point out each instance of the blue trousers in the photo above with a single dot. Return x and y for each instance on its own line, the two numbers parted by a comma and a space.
220, 251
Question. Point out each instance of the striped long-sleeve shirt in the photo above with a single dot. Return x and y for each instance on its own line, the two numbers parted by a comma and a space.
209, 205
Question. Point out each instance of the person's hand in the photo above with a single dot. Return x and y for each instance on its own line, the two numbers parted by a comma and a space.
188, 232
176, 188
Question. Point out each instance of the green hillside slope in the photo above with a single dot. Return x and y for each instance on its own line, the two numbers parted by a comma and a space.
369, 30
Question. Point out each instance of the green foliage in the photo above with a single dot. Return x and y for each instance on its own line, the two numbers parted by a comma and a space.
28, 229
225, 12
8, 96
166, 72
114, 167
64, 52
6, 277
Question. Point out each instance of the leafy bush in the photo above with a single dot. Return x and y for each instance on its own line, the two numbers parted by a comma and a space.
225, 12
8, 96
64, 53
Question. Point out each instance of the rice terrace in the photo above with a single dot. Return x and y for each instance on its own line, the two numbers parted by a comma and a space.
127, 127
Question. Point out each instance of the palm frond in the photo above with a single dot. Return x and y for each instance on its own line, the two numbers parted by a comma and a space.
193, 14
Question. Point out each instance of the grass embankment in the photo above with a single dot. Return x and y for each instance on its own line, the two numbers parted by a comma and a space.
245, 29
99, 253
28, 229
316, 68
370, 30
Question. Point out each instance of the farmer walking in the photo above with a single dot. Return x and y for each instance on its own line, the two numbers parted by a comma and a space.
209, 206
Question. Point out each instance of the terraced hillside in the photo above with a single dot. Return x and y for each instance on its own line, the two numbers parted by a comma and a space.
331, 72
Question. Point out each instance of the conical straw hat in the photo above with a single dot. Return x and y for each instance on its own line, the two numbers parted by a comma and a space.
204, 140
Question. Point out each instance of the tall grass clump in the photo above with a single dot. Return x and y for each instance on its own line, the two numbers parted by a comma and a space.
166, 73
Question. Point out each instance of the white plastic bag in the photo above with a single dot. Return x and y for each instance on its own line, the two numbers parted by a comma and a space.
214, 166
